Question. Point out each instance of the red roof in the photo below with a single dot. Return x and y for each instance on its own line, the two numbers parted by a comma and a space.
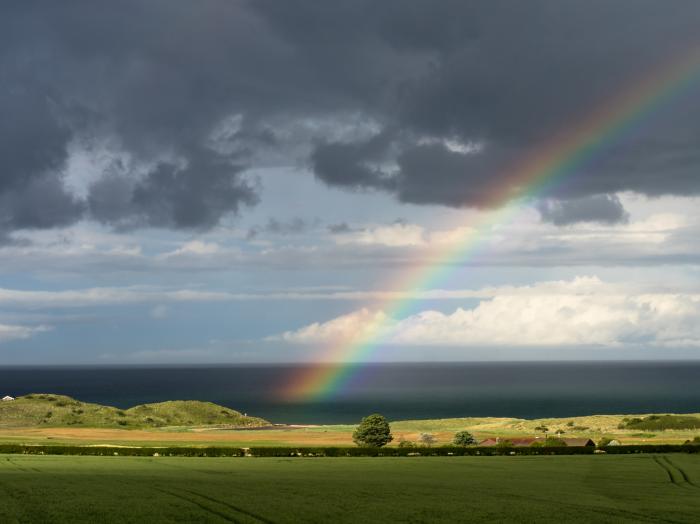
520, 442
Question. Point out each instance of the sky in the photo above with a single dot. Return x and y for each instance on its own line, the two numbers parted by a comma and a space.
248, 181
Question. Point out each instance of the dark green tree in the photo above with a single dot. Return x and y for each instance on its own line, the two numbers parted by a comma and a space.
464, 438
373, 431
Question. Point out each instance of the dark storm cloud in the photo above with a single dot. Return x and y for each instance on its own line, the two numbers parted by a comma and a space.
522, 74
354, 165
159, 82
195, 195
154, 81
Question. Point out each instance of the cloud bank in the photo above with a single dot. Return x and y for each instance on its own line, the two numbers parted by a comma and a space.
581, 312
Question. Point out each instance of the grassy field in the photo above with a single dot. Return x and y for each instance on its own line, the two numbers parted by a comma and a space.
594, 427
664, 488
48, 410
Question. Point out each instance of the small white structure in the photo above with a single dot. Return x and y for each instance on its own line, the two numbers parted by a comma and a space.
7, 398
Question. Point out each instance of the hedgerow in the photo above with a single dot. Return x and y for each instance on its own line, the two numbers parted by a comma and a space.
444, 451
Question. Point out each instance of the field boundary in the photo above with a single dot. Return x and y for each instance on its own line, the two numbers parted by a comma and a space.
443, 451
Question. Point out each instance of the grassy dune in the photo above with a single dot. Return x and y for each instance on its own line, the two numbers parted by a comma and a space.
605, 489
46, 410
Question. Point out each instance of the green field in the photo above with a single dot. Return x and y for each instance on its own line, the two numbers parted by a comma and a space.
650, 488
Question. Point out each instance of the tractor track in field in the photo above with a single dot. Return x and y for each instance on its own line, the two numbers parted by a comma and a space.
201, 506
8, 461
617, 511
684, 475
676, 475
231, 506
667, 469
192, 499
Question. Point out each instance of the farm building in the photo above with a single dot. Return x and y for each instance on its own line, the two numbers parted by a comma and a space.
7, 398
520, 442
578, 442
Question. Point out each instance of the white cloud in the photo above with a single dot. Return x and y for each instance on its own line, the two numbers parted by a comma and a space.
15, 332
160, 297
103, 297
195, 247
401, 234
581, 312
453, 144
395, 235
363, 322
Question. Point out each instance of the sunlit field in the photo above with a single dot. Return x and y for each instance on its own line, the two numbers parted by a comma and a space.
410, 489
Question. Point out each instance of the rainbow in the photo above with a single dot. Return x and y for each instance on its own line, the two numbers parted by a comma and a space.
529, 178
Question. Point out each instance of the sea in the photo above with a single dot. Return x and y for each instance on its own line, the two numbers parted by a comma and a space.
404, 391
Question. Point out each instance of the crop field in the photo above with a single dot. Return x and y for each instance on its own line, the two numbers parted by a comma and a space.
649, 488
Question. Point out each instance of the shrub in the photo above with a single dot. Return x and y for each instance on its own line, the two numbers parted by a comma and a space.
463, 438
406, 444
603, 442
373, 431
661, 422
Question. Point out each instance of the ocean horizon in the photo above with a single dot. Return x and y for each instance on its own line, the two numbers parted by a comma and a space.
400, 391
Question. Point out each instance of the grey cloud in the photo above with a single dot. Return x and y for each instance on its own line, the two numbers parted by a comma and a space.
116, 74
196, 195
528, 73
155, 80
354, 165
606, 209
338, 229
274, 226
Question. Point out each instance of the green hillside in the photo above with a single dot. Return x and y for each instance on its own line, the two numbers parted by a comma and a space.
46, 410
